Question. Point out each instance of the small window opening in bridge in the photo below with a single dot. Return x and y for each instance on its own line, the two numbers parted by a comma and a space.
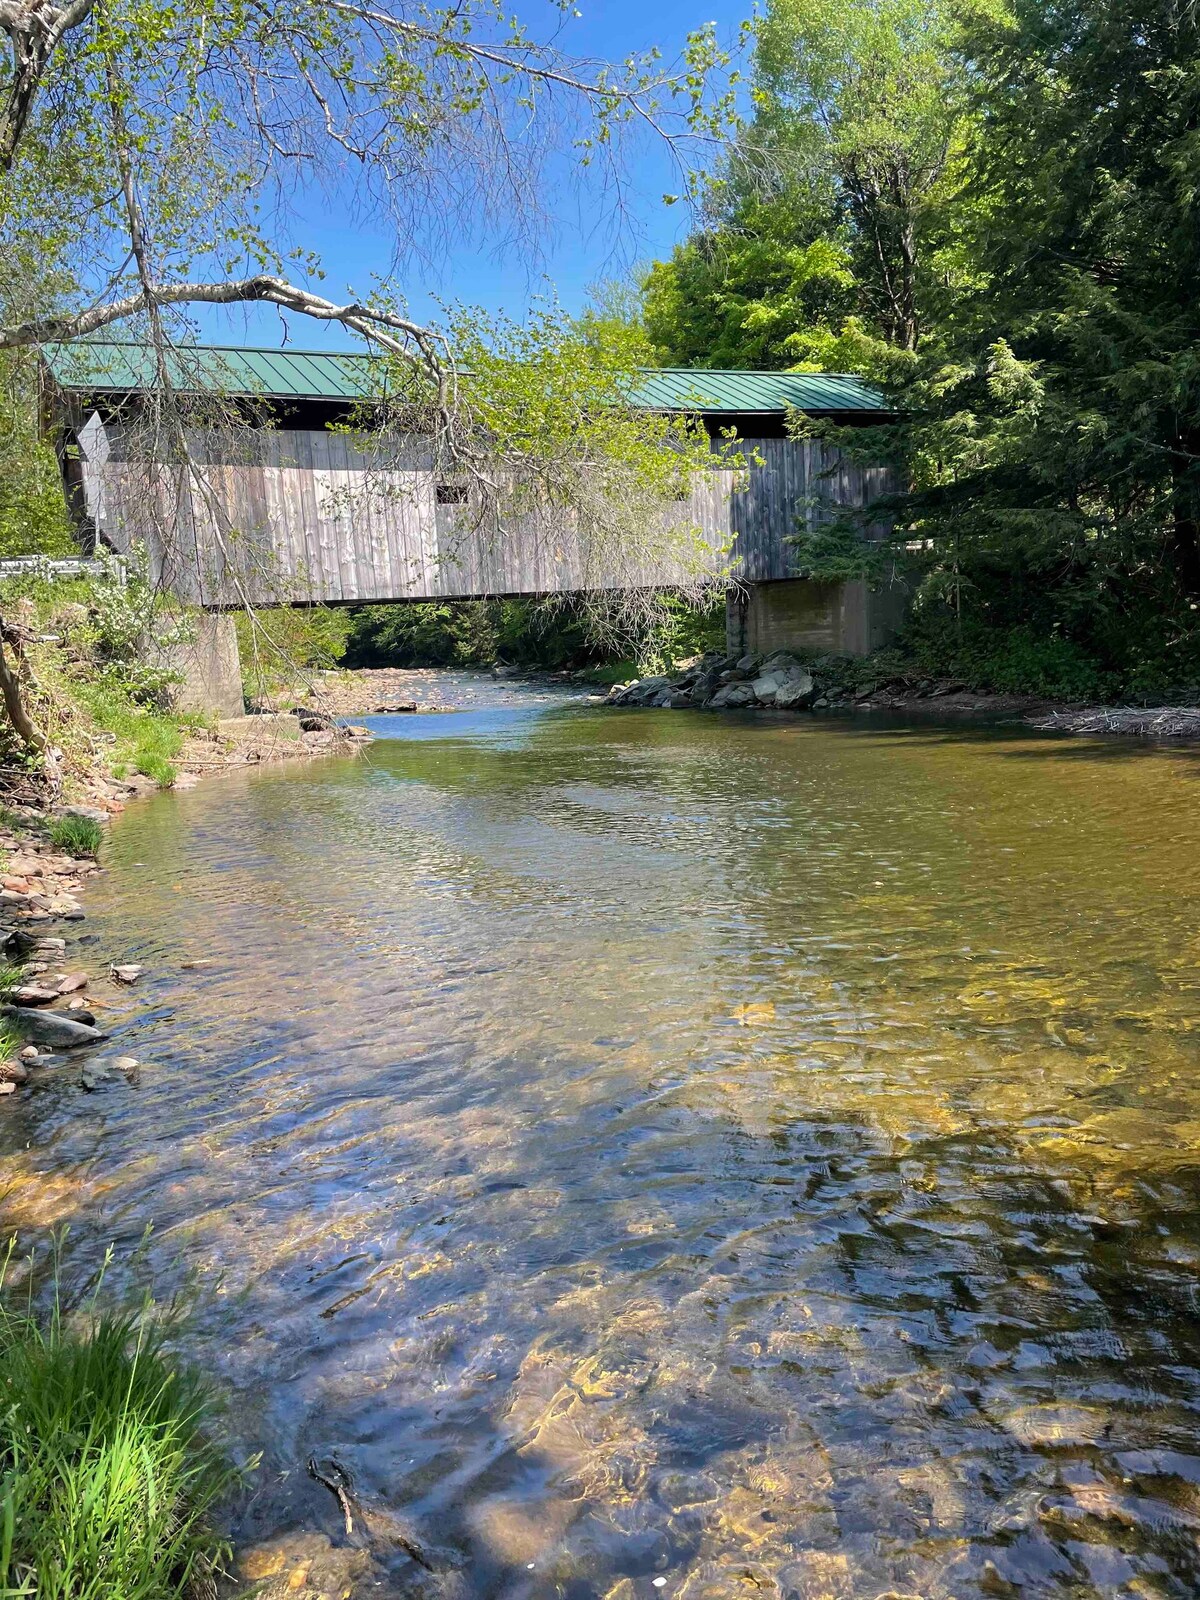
452, 494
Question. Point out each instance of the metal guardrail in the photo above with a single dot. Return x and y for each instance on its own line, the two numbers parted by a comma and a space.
44, 567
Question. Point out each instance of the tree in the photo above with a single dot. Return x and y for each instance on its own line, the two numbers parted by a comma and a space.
1055, 433
833, 235
140, 141
766, 283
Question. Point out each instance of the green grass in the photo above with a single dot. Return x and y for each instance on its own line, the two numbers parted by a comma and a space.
145, 741
614, 672
107, 1472
76, 836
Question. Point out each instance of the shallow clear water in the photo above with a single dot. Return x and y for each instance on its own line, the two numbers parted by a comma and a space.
759, 1154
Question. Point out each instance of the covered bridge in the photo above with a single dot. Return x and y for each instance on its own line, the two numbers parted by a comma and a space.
326, 524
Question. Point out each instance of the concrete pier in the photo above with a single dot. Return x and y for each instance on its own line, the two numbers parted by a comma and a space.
843, 618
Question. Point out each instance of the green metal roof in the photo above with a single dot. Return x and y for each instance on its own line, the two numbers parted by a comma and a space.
99, 367
105, 368
743, 393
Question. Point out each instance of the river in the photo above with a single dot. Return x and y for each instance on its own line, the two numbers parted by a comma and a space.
757, 1154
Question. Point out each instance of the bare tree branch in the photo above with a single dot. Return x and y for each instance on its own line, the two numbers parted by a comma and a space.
372, 323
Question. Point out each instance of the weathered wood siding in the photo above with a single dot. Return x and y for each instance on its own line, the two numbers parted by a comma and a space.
309, 518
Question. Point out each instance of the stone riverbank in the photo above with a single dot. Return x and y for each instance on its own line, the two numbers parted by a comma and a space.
732, 683
781, 682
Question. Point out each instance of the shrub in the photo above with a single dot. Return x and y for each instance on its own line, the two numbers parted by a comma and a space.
108, 1474
76, 836
1013, 661
279, 645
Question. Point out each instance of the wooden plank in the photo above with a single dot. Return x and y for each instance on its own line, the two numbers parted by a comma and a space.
301, 527
313, 524
333, 557
385, 574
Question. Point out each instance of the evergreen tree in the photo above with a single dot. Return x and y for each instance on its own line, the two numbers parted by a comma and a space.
1054, 440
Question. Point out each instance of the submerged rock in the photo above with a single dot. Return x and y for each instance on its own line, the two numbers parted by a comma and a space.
303, 1566
51, 1027
34, 994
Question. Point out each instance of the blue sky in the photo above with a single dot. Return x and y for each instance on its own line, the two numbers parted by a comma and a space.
583, 242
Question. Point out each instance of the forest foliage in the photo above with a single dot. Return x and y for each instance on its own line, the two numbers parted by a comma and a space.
992, 210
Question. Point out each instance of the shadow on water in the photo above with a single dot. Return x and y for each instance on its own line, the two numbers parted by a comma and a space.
762, 1155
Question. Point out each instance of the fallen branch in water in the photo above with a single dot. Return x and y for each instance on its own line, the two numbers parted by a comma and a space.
334, 1478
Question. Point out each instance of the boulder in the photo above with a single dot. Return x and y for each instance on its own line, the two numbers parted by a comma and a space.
91, 813
796, 691
732, 695
704, 687
49, 1027
766, 686
748, 663
138, 787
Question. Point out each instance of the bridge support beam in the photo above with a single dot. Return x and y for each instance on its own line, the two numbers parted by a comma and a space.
210, 666
846, 618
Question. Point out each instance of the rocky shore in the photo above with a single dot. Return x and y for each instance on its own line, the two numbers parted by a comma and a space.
48, 1006
834, 683
729, 683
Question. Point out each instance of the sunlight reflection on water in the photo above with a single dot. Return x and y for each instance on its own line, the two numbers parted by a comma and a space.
759, 1153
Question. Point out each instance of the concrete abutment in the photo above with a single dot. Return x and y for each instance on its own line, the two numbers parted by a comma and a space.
210, 667
841, 618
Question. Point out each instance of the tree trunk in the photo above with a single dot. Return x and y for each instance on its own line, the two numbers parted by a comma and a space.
12, 691
1185, 540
